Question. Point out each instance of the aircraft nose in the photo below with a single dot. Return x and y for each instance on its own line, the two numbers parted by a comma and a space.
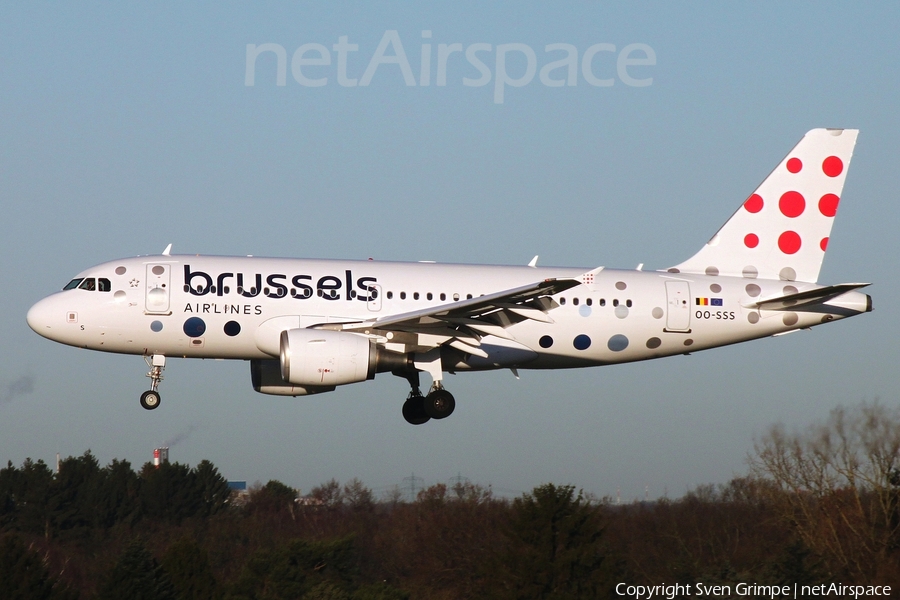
40, 317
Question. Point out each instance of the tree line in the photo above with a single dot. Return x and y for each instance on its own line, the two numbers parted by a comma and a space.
817, 505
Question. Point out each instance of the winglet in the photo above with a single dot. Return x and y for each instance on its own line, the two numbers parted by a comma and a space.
533, 262
168, 250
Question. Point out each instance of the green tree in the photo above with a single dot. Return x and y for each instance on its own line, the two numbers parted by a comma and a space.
23, 575
187, 565
555, 546
75, 495
169, 492
118, 499
137, 576
213, 488
297, 568
27, 497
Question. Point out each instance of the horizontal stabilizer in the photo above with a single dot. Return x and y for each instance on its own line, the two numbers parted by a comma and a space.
804, 299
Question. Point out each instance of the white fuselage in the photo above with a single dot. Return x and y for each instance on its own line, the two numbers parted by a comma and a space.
237, 307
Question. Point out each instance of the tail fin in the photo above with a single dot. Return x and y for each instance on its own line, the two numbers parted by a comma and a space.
781, 231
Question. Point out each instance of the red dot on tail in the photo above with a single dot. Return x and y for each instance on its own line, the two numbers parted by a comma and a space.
794, 165
792, 204
751, 240
754, 203
824, 244
832, 166
789, 242
828, 205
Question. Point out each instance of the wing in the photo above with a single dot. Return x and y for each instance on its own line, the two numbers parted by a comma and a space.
462, 324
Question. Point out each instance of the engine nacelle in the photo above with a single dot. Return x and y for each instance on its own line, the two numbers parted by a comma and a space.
323, 357
266, 378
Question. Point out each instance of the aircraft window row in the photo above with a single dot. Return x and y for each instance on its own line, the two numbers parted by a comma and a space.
590, 302
429, 296
90, 284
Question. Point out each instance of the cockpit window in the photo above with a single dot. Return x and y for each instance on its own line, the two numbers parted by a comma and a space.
89, 284
72, 284
103, 284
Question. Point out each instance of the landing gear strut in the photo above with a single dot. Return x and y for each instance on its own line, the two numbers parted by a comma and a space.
151, 399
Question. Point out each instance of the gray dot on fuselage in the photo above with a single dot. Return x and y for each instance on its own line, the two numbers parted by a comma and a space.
617, 343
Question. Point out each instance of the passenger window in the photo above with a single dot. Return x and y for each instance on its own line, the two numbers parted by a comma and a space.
443, 296
104, 285
628, 303
415, 295
390, 295
72, 284
575, 301
89, 284
403, 295
588, 301
429, 295
602, 301
562, 301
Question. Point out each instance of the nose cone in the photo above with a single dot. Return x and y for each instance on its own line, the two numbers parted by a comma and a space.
43, 316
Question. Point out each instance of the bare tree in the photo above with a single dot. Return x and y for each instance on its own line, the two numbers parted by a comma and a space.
329, 494
358, 496
837, 483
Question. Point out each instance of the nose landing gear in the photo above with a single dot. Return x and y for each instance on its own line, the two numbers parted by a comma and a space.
151, 399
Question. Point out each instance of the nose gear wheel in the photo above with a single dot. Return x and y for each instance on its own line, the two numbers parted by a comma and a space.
151, 398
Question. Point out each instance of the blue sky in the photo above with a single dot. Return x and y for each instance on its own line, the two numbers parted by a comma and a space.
124, 128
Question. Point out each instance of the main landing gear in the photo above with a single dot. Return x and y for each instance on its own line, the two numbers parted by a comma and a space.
151, 399
419, 409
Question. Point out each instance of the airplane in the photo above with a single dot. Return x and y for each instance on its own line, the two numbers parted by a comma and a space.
308, 326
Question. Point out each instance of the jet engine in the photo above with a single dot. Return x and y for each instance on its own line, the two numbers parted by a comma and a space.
325, 358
